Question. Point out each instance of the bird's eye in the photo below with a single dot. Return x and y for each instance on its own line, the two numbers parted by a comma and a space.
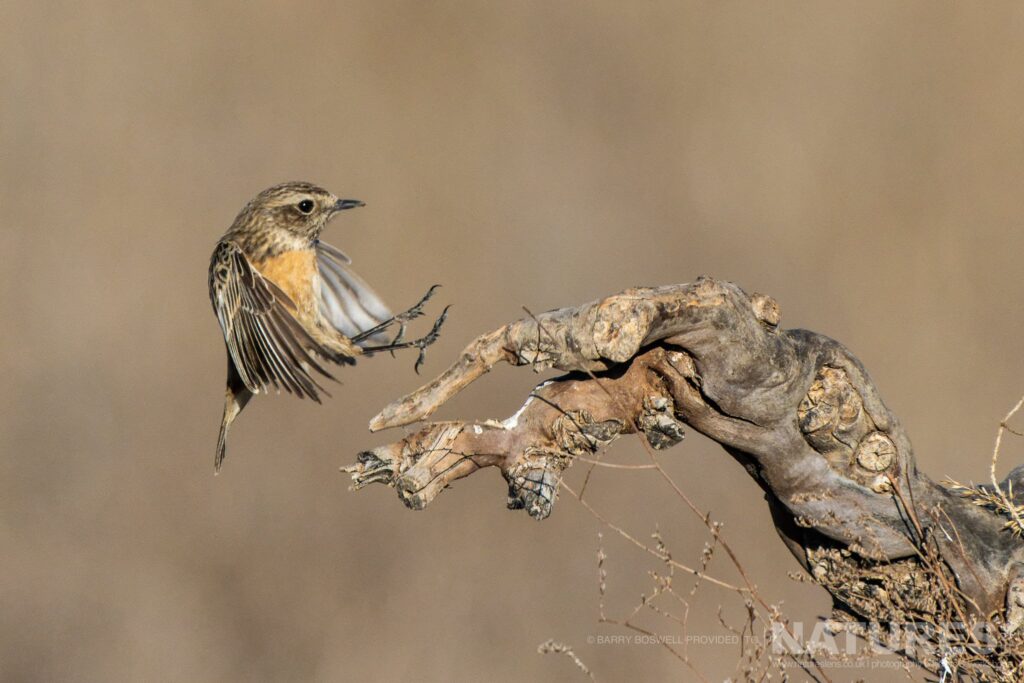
306, 206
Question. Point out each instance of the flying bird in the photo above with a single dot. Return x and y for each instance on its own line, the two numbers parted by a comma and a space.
289, 305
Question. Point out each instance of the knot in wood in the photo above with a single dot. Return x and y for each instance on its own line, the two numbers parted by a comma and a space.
620, 327
831, 405
880, 484
576, 432
533, 482
766, 309
658, 422
875, 452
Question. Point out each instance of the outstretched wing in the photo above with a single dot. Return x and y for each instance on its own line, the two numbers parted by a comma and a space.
346, 301
268, 346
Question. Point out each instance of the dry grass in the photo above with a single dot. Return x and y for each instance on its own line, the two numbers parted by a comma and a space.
909, 612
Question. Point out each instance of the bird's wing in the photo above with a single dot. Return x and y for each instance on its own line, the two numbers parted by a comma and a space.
268, 346
346, 301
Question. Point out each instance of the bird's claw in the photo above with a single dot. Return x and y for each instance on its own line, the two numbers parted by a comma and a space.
417, 310
402, 318
429, 338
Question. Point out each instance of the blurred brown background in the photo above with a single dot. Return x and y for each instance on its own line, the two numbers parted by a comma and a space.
861, 162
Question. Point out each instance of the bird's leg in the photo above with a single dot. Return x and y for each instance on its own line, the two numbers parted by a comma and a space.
402, 318
422, 343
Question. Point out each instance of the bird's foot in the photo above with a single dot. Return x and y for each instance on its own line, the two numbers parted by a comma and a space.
422, 343
401, 319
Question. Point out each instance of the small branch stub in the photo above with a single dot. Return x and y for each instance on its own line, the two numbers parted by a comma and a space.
875, 452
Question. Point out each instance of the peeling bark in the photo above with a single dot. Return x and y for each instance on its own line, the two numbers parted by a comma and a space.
796, 408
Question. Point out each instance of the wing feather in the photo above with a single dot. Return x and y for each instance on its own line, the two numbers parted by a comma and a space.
267, 345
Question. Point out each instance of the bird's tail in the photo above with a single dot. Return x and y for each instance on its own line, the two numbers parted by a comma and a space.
235, 397
222, 443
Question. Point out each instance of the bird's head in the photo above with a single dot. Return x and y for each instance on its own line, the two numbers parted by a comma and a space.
299, 208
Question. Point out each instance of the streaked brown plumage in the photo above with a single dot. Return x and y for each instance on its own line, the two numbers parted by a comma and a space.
289, 304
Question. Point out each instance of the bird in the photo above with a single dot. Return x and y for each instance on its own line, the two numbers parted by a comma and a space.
289, 305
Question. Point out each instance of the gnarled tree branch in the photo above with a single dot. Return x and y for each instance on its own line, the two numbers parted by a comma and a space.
796, 408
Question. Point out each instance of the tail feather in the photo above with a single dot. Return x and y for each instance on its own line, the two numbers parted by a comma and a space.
235, 397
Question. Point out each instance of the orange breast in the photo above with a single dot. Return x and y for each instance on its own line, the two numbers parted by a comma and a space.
293, 272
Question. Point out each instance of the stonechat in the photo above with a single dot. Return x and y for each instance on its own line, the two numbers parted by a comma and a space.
289, 304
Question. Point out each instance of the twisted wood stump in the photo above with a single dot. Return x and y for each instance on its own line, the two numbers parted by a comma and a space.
796, 408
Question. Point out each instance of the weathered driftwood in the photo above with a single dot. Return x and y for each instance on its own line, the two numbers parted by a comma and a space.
796, 408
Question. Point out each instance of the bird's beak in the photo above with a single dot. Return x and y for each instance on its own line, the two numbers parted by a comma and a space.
343, 204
